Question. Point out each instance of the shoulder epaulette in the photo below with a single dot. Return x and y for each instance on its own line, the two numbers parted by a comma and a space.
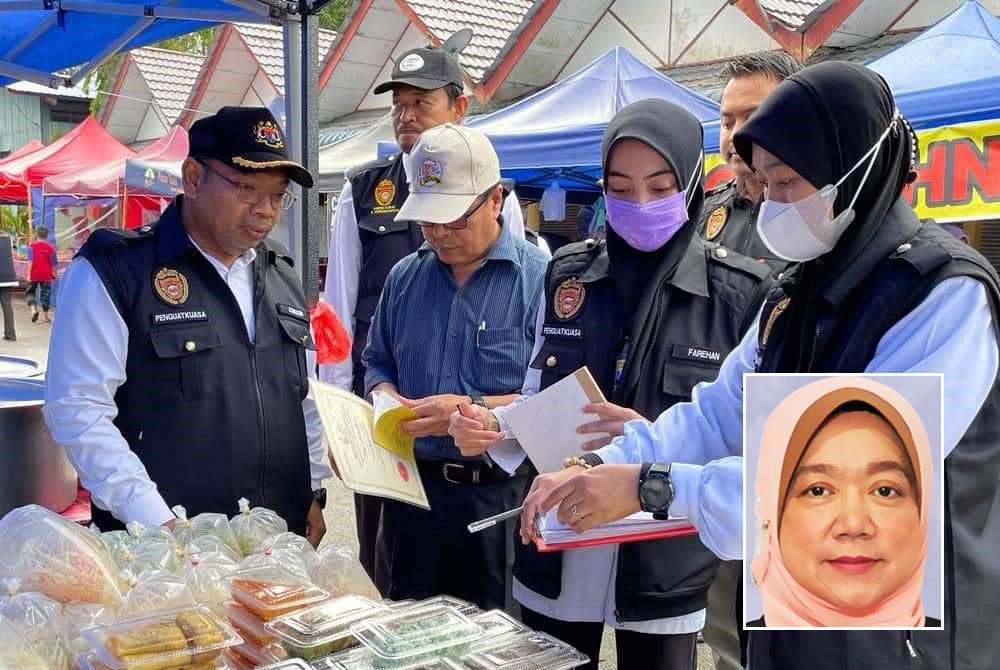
104, 240
734, 260
378, 163
588, 247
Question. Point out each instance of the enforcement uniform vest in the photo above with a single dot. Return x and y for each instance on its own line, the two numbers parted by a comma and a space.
730, 220
693, 313
379, 189
212, 416
836, 328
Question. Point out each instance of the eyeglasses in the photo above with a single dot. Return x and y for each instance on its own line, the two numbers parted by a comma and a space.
463, 222
253, 195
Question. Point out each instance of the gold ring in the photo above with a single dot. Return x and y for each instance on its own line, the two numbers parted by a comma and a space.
575, 512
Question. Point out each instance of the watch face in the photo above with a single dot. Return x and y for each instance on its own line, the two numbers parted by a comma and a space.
654, 495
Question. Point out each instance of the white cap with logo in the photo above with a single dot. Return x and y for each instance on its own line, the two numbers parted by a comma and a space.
452, 167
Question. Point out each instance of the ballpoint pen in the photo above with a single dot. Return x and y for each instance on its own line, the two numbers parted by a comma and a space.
491, 521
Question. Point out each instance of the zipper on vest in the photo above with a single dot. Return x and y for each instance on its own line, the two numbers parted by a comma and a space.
261, 425
910, 647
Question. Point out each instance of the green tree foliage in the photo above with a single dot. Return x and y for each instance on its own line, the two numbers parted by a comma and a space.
332, 15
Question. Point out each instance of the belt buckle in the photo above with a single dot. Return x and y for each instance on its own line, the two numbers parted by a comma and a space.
458, 466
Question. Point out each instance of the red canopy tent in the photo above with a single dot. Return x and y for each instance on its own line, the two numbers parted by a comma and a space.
30, 147
87, 144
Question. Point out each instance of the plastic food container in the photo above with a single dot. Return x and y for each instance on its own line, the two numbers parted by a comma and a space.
325, 628
496, 623
258, 655
188, 636
269, 591
289, 664
463, 606
236, 662
362, 659
249, 625
524, 651
423, 632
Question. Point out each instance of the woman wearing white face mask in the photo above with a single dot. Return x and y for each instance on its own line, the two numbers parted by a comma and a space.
876, 291
651, 313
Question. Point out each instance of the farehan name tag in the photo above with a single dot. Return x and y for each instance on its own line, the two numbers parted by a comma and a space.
179, 317
691, 352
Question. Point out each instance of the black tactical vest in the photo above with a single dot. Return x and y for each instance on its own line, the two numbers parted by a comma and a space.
812, 334
729, 220
693, 313
212, 416
379, 190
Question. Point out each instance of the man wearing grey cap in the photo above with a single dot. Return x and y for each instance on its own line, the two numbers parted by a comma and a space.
366, 237
455, 323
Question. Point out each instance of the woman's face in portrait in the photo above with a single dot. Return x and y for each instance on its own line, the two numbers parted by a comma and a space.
850, 528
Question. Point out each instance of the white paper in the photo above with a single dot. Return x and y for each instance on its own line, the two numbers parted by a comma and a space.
545, 424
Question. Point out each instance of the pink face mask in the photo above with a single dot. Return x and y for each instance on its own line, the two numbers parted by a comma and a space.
649, 225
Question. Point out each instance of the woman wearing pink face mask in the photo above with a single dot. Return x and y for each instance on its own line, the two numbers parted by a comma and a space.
651, 312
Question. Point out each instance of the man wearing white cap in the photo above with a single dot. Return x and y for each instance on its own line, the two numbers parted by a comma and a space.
455, 323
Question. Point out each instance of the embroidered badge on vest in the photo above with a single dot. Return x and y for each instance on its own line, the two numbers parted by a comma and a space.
716, 222
385, 193
171, 287
569, 298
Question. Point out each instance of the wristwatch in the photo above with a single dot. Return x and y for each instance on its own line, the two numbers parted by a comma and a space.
656, 491
479, 400
319, 495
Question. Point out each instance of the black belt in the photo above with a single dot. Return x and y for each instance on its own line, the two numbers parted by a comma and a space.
470, 473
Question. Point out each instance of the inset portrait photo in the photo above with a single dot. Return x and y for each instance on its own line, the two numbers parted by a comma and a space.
843, 492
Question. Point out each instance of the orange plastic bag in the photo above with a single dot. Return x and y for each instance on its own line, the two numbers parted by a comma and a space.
333, 342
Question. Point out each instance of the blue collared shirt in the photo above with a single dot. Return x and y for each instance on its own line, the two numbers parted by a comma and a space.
950, 332
430, 336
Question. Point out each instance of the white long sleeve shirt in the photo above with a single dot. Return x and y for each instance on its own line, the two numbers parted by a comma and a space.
343, 272
87, 355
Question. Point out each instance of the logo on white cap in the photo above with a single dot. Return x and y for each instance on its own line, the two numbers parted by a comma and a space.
411, 63
430, 173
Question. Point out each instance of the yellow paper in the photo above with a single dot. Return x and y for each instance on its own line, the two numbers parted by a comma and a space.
373, 455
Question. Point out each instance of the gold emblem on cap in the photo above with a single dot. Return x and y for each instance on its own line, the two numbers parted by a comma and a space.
171, 286
569, 298
430, 173
268, 134
716, 222
385, 193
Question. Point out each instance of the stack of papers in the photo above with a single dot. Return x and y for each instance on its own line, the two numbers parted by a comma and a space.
555, 536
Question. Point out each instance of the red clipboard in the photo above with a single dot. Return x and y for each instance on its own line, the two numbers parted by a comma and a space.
681, 531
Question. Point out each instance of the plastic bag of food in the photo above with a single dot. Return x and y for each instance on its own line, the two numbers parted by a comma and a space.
153, 548
335, 569
17, 652
211, 545
36, 617
76, 617
290, 559
57, 557
333, 342
209, 523
206, 577
252, 526
117, 542
155, 591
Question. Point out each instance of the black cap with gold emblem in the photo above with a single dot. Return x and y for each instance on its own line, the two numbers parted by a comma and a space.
247, 139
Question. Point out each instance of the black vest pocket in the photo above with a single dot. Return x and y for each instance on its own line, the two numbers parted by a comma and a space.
383, 224
297, 339
680, 377
187, 366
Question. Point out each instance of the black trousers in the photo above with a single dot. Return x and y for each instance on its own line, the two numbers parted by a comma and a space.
39, 293
8, 313
367, 512
635, 651
424, 553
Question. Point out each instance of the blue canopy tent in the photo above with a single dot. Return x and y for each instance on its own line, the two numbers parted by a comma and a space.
950, 73
58, 42
555, 134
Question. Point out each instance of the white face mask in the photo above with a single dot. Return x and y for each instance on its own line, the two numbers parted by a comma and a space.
803, 230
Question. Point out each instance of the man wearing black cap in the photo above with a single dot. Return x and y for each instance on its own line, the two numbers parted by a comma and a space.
366, 241
177, 372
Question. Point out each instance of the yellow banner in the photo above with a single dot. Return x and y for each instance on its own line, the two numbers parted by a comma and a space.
958, 175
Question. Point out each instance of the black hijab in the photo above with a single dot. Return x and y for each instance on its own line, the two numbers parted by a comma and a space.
820, 122
674, 133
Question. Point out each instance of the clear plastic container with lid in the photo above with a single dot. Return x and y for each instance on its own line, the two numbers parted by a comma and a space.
270, 591
184, 637
325, 628
261, 655
428, 631
289, 664
363, 659
248, 625
524, 651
